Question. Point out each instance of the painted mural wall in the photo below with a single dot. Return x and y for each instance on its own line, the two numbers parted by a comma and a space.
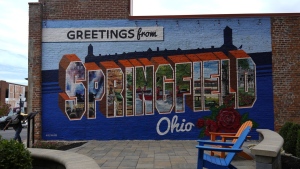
155, 79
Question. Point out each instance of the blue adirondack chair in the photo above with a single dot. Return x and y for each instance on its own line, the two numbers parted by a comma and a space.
205, 160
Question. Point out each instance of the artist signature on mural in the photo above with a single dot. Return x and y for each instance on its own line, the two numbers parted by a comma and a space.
173, 125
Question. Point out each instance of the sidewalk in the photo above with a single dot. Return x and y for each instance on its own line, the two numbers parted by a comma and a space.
147, 154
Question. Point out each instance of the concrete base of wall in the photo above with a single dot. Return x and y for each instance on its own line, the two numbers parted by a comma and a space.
263, 162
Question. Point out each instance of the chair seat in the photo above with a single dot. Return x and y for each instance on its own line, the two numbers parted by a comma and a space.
215, 160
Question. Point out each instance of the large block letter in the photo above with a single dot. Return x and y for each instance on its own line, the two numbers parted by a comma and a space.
145, 81
183, 77
71, 76
243, 77
113, 104
95, 84
164, 96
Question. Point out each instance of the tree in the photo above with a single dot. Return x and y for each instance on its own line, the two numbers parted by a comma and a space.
243, 63
14, 155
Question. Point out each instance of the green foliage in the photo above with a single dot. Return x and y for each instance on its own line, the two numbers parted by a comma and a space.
290, 132
144, 78
183, 70
164, 71
214, 112
284, 130
202, 133
243, 63
129, 77
4, 109
254, 124
245, 117
298, 144
14, 155
291, 140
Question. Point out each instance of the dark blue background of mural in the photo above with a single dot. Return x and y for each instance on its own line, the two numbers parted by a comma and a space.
144, 127
187, 34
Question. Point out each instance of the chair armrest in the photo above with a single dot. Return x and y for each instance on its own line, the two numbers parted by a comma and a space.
219, 149
202, 142
225, 137
213, 135
218, 134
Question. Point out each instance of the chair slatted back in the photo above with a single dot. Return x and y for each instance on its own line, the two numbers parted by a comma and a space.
238, 144
242, 128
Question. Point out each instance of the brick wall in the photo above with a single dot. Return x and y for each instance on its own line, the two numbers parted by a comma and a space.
85, 9
34, 64
285, 48
60, 10
3, 88
286, 72
4, 93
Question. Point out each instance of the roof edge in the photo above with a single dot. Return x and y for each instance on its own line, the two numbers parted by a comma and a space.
211, 16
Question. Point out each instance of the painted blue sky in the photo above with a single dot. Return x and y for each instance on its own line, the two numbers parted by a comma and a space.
185, 34
14, 24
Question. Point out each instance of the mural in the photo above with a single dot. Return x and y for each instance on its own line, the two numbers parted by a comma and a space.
172, 93
167, 87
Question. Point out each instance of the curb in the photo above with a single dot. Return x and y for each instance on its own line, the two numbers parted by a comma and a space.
68, 159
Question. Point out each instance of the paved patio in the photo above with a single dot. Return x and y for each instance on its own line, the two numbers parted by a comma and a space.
147, 154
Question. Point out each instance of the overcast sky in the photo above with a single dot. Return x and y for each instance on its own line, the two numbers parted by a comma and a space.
14, 23
177, 7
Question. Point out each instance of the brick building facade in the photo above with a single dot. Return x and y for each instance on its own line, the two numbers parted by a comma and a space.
284, 33
286, 52
10, 93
